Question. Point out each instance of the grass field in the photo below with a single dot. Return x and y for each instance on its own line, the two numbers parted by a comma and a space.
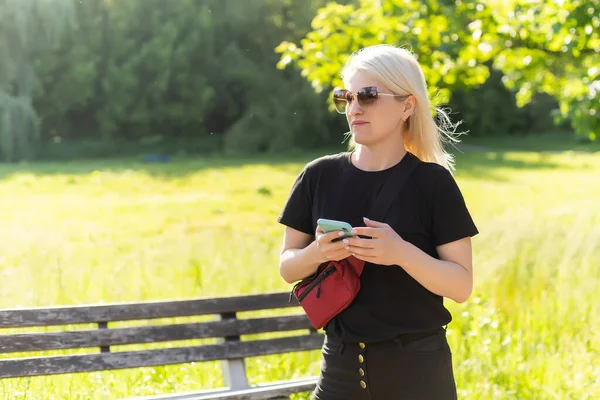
105, 231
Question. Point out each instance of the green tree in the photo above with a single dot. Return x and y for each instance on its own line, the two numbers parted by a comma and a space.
155, 71
128, 70
541, 46
27, 29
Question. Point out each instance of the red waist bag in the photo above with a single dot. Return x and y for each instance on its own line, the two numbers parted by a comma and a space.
335, 284
330, 290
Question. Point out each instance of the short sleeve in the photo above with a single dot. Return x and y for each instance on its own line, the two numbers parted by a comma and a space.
297, 210
451, 219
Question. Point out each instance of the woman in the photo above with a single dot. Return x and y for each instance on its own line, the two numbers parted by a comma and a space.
390, 343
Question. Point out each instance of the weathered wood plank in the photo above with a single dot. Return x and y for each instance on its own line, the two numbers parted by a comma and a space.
45, 316
36, 366
265, 392
260, 392
23, 342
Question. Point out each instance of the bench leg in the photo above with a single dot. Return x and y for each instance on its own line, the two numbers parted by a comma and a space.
234, 371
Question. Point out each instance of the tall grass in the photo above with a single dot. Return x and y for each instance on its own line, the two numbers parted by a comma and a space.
122, 231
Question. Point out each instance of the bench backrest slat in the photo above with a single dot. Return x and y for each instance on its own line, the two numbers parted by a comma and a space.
46, 316
35, 366
23, 342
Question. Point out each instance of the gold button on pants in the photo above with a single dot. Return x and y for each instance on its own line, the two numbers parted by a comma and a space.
363, 367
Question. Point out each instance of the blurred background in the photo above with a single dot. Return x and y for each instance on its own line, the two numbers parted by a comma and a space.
147, 147
104, 78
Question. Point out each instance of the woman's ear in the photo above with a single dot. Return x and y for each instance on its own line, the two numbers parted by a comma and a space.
409, 106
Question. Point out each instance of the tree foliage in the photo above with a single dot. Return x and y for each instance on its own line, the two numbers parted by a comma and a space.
155, 71
27, 29
110, 77
539, 46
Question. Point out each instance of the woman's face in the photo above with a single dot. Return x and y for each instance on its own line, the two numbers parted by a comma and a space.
376, 122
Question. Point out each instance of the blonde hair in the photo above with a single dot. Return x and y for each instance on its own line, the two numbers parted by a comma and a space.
398, 69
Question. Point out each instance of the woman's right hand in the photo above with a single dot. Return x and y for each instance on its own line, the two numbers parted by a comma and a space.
331, 251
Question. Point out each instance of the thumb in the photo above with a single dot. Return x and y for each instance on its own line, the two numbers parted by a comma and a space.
374, 224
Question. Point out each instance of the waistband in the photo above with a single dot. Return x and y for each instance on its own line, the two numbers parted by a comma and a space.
402, 339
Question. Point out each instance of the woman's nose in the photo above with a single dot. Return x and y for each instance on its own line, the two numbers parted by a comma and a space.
354, 108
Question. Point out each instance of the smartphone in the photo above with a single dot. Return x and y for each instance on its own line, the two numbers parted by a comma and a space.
331, 225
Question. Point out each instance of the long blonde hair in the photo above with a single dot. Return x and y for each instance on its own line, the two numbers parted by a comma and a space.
398, 69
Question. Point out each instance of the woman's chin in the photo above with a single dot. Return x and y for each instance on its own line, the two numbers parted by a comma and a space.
368, 138
361, 137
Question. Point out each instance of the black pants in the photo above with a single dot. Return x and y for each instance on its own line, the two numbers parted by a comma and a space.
411, 367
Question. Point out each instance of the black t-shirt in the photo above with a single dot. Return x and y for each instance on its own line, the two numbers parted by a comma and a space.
428, 211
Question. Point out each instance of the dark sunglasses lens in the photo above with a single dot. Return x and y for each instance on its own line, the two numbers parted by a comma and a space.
367, 95
340, 100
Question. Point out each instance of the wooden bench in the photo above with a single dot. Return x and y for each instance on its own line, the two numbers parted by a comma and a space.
230, 349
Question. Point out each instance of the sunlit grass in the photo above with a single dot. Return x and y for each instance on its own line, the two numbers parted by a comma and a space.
122, 231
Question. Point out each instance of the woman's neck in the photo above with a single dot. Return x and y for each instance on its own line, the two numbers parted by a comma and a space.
377, 159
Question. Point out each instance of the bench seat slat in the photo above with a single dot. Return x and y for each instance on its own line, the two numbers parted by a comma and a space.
47, 316
262, 393
256, 392
36, 366
24, 342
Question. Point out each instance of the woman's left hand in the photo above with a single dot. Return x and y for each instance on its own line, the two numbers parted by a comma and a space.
384, 247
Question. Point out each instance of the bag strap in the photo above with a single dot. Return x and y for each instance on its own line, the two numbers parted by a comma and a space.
392, 186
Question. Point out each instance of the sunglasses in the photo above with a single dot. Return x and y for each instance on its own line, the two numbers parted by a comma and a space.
343, 98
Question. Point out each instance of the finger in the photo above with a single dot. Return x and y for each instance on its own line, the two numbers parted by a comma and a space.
362, 251
331, 236
364, 243
328, 237
340, 255
337, 254
332, 247
374, 224
345, 243
371, 232
318, 233
342, 244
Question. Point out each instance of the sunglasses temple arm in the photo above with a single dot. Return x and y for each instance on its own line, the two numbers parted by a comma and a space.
389, 94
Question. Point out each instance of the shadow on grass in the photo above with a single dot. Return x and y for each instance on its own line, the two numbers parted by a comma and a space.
486, 165
553, 142
178, 167
479, 161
